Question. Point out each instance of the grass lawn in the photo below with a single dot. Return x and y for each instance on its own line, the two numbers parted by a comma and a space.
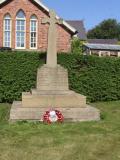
69, 141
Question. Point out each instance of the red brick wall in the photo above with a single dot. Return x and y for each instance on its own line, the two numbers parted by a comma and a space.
64, 37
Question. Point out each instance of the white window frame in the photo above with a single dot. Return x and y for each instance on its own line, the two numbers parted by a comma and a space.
20, 19
6, 30
35, 20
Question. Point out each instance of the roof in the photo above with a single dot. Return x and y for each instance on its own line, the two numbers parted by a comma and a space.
102, 46
103, 41
68, 26
79, 26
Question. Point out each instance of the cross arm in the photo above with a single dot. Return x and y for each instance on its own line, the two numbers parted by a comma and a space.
59, 21
45, 20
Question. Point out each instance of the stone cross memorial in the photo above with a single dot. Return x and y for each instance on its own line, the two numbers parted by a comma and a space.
52, 88
52, 38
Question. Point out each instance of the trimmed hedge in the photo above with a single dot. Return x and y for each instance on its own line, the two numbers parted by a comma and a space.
17, 74
97, 78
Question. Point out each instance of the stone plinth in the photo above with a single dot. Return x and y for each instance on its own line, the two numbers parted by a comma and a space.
70, 114
52, 79
52, 91
53, 99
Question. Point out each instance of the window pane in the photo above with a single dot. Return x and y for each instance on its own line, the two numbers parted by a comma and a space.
7, 16
31, 39
5, 22
22, 44
34, 45
18, 44
18, 39
20, 33
22, 28
8, 27
18, 22
7, 31
33, 17
23, 23
33, 31
18, 28
20, 14
22, 39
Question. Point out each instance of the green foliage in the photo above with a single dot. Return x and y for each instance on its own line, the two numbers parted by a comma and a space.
77, 46
107, 29
67, 141
4, 113
97, 78
17, 74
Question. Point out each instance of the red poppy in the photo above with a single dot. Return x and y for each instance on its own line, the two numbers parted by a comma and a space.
53, 116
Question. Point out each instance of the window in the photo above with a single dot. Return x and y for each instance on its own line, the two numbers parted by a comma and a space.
33, 32
7, 31
20, 30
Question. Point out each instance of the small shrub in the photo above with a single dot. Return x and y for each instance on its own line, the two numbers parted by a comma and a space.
77, 46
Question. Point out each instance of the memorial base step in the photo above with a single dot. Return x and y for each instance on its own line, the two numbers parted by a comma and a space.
75, 114
53, 99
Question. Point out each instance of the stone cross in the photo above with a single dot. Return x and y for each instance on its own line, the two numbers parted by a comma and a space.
52, 38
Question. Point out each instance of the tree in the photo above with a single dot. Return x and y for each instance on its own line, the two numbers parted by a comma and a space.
107, 29
77, 46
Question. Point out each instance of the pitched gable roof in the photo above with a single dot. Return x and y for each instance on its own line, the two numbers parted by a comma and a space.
68, 26
79, 26
102, 46
103, 41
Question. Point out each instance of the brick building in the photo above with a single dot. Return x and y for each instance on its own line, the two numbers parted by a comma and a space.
21, 27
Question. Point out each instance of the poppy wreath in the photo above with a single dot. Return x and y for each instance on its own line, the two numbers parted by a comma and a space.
53, 116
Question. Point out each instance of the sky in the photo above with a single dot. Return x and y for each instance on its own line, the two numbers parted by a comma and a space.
91, 11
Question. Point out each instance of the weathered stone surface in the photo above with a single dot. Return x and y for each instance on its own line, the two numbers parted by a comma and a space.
53, 79
52, 38
70, 99
52, 90
74, 114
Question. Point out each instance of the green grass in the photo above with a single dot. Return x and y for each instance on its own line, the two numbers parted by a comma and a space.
69, 141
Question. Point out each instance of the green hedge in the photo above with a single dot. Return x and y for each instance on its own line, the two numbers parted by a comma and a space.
97, 78
17, 74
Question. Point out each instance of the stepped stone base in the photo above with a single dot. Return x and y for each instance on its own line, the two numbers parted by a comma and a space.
74, 114
52, 90
53, 99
